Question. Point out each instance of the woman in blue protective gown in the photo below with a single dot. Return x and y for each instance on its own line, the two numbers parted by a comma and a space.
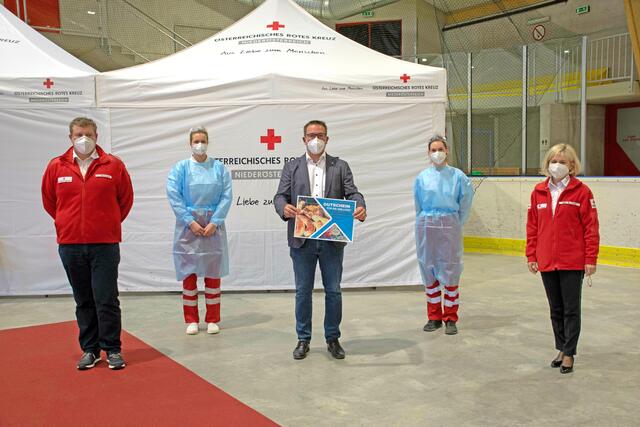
199, 191
443, 196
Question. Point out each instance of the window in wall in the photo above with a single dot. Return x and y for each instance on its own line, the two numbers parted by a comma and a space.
383, 36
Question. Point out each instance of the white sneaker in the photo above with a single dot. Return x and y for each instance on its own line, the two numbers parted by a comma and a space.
212, 328
192, 329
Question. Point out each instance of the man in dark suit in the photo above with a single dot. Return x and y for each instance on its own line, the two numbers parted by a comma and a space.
319, 175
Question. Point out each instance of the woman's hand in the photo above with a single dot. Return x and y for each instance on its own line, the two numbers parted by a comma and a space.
533, 267
209, 230
589, 269
196, 228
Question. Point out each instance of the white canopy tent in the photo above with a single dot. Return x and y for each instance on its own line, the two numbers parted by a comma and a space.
42, 88
254, 85
34, 71
277, 54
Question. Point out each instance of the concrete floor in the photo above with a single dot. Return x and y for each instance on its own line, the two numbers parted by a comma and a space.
495, 372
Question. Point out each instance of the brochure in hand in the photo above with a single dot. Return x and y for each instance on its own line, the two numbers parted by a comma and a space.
324, 219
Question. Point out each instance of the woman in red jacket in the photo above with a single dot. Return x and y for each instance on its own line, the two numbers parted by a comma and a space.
562, 243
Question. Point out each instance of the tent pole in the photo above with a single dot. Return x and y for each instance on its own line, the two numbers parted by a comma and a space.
583, 106
469, 106
525, 96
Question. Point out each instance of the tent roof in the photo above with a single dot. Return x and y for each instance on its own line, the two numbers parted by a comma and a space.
36, 72
277, 53
26, 53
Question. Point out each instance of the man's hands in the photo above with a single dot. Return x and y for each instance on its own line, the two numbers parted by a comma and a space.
360, 213
533, 267
198, 230
290, 211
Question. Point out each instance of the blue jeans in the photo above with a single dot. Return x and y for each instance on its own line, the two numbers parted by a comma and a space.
92, 270
304, 259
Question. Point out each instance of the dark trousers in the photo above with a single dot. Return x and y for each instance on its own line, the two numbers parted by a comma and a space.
305, 259
564, 292
92, 270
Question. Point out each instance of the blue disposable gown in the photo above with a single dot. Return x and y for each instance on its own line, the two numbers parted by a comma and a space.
443, 199
200, 192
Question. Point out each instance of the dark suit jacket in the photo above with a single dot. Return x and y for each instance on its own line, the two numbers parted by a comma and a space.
294, 182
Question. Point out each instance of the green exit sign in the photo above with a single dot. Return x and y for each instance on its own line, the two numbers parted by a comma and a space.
583, 9
368, 13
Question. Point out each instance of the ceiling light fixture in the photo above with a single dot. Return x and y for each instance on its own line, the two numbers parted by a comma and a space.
534, 21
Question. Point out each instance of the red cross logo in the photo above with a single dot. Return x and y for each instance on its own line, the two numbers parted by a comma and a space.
271, 139
48, 83
275, 26
405, 78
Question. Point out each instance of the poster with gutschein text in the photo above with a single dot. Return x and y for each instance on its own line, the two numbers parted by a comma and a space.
324, 219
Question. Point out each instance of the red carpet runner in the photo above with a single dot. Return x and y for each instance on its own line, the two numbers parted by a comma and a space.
40, 386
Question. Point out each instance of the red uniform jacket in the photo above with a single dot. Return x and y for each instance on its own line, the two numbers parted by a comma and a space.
569, 239
89, 209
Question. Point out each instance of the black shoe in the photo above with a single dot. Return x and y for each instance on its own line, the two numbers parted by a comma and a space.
450, 327
115, 361
88, 361
432, 325
555, 363
301, 350
335, 349
567, 369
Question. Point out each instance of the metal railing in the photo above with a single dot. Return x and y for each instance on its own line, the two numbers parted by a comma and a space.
612, 53
499, 91
609, 60
117, 23
151, 22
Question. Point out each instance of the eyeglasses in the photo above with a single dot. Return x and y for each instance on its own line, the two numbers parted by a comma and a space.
316, 135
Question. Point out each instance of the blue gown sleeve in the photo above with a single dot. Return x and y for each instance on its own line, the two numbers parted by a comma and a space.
224, 204
417, 199
175, 184
465, 198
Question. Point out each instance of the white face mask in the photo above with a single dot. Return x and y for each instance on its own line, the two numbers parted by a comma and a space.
315, 146
199, 148
428, 162
558, 170
438, 157
84, 145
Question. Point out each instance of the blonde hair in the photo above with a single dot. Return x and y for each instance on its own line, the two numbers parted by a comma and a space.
568, 153
437, 137
198, 129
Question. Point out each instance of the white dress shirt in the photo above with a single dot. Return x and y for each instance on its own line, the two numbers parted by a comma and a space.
84, 164
556, 190
316, 174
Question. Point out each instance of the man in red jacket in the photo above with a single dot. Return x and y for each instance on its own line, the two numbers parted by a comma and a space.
88, 194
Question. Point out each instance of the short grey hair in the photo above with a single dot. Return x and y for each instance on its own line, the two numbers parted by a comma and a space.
197, 129
83, 122
437, 137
